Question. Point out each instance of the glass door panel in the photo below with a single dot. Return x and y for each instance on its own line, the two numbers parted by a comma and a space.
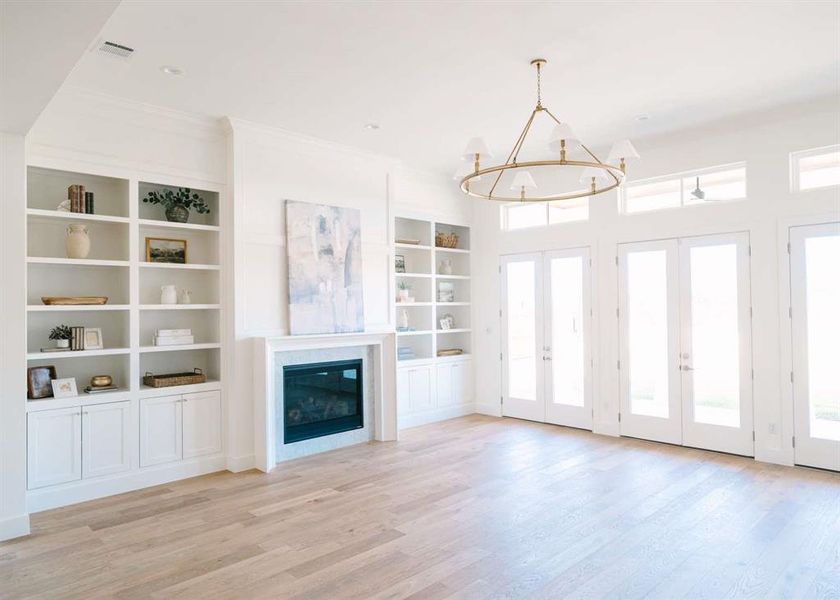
568, 326
522, 326
815, 329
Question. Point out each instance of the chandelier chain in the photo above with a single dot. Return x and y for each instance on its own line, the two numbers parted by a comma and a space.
539, 86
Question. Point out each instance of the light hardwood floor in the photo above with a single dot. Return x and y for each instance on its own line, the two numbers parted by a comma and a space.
472, 508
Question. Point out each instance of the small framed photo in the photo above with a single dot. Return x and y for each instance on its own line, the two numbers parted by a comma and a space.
399, 263
166, 250
64, 388
93, 338
447, 322
39, 382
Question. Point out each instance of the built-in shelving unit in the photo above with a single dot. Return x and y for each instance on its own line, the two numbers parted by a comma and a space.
430, 387
116, 267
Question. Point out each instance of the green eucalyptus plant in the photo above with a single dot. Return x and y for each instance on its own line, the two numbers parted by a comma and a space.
61, 332
184, 198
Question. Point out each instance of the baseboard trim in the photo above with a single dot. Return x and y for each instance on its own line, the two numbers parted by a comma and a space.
493, 410
776, 457
14, 527
609, 428
91, 489
237, 464
435, 415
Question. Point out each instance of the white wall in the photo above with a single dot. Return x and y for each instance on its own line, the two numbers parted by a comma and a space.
269, 166
14, 520
764, 141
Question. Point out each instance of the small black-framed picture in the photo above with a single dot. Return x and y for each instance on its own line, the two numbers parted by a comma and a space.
166, 250
399, 263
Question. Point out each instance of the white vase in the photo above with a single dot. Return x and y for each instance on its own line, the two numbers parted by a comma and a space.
185, 297
62, 343
445, 267
77, 241
168, 294
404, 319
403, 295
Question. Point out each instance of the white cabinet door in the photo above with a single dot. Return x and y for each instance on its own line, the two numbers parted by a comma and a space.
420, 388
106, 439
161, 438
403, 391
202, 422
443, 383
54, 439
462, 382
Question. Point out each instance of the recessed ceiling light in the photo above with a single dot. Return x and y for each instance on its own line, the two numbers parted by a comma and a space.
643, 117
371, 126
170, 70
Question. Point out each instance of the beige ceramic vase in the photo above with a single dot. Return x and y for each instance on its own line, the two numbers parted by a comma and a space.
77, 242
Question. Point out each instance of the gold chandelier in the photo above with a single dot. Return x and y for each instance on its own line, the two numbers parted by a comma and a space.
596, 175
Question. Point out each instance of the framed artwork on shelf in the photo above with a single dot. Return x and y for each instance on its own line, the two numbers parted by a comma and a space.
39, 382
399, 263
93, 338
64, 388
166, 250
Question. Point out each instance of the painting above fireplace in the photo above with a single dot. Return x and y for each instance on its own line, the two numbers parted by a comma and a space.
322, 399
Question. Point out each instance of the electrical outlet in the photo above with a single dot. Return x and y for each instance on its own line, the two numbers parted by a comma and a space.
771, 428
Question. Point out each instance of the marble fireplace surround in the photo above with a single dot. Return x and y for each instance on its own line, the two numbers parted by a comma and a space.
272, 353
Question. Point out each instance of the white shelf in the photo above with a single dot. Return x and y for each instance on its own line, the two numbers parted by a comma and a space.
462, 330
82, 399
87, 262
195, 267
180, 306
413, 362
420, 332
38, 213
439, 276
412, 246
452, 303
205, 346
415, 275
455, 250
76, 353
401, 304
76, 307
170, 224
454, 357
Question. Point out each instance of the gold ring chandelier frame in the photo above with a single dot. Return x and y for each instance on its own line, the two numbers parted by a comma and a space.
612, 177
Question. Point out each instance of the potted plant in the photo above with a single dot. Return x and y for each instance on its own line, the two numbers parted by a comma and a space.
178, 203
404, 289
62, 336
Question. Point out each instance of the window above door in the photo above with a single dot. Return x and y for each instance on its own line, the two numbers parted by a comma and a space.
703, 186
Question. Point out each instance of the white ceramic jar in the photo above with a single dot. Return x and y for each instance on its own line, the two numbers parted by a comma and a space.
77, 241
168, 294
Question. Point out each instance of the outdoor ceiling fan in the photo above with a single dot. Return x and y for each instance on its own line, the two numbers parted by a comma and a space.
698, 193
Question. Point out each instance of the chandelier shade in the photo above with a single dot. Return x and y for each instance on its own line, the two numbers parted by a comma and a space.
556, 177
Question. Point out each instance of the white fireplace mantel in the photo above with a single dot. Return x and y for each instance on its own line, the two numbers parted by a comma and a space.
385, 402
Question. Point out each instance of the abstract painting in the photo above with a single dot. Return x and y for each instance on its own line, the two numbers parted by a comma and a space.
325, 269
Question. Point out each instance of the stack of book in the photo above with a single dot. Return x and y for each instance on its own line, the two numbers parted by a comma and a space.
80, 200
77, 342
174, 337
405, 353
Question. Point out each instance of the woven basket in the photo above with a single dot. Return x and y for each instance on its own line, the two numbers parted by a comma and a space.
170, 379
446, 240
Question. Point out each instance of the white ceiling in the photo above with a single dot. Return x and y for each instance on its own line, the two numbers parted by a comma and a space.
433, 74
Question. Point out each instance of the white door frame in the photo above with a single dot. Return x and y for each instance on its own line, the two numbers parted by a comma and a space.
524, 408
566, 414
680, 427
651, 428
809, 451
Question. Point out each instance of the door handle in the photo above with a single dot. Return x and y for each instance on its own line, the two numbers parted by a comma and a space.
687, 368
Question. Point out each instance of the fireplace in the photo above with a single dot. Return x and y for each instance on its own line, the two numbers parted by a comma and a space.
322, 399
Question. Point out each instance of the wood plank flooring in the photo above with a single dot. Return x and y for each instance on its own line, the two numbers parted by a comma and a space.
471, 508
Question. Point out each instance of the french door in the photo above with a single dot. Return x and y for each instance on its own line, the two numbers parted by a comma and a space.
815, 334
685, 342
546, 337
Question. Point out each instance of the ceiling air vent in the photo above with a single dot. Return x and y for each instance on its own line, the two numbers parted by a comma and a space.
116, 49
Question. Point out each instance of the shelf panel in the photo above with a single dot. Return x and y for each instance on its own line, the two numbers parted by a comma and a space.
170, 224
420, 332
452, 303
413, 304
180, 306
80, 400
466, 330
454, 250
152, 392
76, 353
454, 357
412, 246
205, 346
452, 276
194, 267
415, 275
38, 213
85, 262
76, 308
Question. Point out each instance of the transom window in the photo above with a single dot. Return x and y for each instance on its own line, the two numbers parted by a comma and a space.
706, 186
523, 215
815, 168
